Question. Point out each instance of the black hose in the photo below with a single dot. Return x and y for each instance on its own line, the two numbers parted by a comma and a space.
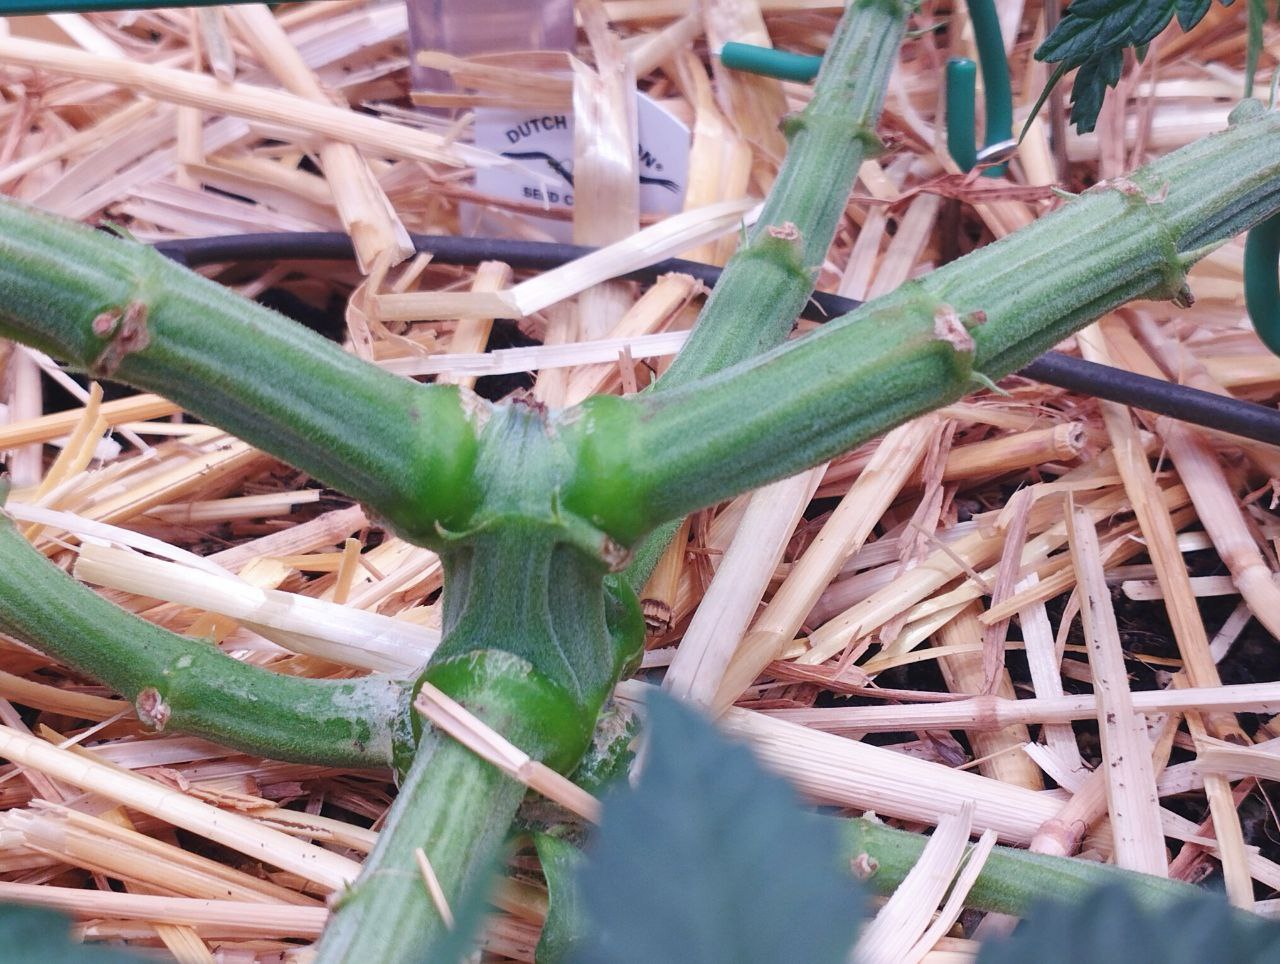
1241, 418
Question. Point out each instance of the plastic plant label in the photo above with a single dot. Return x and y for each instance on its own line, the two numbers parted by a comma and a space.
542, 142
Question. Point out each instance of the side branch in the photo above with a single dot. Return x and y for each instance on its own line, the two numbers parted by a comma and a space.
118, 309
889, 361
766, 284
190, 686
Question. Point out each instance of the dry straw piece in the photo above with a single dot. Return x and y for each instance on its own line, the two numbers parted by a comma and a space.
932, 587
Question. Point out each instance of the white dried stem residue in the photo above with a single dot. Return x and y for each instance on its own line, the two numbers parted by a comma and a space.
108, 846
1044, 663
231, 830
376, 232
902, 922
553, 353
974, 862
731, 600
344, 634
754, 103
998, 749
987, 713
658, 598
606, 177
1184, 615
908, 245
228, 919
472, 334
893, 462
665, 239
719, 157
973, 552
1126, 749
651, 313
247, 101
834, 770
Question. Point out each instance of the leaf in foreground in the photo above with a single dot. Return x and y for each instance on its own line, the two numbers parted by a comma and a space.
711, 858
38, 934
1109, 927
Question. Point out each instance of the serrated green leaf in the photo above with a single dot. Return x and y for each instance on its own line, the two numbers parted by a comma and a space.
1096, 74
710, 858
1110, 927
39, 934
1191, 12
1093, 36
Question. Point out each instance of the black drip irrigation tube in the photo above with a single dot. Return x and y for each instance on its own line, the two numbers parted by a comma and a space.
1240, 418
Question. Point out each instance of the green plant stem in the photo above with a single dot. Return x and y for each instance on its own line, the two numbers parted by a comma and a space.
118, 309
766, 283
188, 685
456, 808
806, 401
1011, 879
534, 639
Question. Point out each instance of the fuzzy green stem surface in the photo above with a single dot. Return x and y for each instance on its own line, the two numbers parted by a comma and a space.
927, 343
765, 285
1011, 880
188, 685
535, 636
456, 808
118, 309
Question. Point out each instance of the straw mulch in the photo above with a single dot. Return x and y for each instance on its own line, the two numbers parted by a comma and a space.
869, 621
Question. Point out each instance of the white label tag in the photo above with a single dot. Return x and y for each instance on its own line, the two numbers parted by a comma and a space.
543, 141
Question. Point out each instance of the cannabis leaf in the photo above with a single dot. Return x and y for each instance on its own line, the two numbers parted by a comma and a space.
37, 934
1093, 36
1111, 927
710, 858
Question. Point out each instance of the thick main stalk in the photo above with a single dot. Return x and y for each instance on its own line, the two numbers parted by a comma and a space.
456, 809
534, 639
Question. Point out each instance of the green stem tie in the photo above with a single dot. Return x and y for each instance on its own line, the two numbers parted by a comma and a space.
997, 96
769, 62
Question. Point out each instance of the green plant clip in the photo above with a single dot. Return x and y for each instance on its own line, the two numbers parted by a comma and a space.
768, 62
961, 80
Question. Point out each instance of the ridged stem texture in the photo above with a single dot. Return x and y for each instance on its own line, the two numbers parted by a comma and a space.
535, 636
766, 283
927, 343
117, 309
188, 685
1011, 880
456, 809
